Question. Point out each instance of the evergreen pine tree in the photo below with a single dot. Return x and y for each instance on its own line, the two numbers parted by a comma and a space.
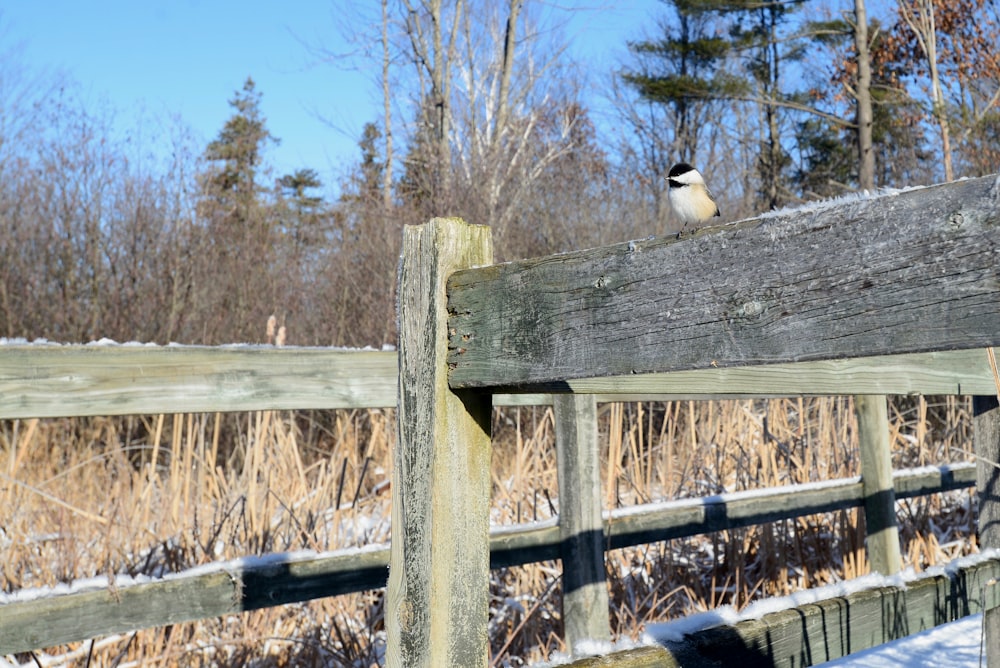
236, 155
693, 66
302, 210
683, 72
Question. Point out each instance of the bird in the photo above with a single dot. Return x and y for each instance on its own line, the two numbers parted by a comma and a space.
690, 198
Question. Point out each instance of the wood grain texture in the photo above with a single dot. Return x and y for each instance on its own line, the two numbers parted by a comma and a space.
438, 592
881, 530
909, 272
955, 372
64, 380
525, 544
236, 587
585, 587
691, 517
986, 439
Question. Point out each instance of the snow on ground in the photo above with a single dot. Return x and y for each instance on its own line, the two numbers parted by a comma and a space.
954, 645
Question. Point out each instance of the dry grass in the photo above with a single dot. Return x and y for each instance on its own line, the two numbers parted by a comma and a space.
87, 497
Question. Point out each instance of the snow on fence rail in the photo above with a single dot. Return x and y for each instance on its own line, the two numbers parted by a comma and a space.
819, 296
39, 618
819, 625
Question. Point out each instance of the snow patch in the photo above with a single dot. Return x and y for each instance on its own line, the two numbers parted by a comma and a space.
954, 566
841, 200
592, 647
102, 342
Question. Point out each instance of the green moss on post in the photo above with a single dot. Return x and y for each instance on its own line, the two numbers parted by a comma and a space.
438, 591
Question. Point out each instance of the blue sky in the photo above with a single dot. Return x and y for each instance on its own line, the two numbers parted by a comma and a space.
188, 57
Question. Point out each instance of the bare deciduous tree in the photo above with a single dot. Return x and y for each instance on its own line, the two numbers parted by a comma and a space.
919, 16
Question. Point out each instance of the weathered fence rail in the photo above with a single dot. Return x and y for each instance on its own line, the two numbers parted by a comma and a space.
50, 380
909, 272
826, 629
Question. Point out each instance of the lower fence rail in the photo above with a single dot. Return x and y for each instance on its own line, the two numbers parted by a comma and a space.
36, 619
823, 630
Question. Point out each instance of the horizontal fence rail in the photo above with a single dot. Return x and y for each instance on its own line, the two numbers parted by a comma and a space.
49, 380
913, 271
259, 582
827, 629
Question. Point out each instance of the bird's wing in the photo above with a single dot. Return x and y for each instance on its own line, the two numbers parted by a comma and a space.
712, 197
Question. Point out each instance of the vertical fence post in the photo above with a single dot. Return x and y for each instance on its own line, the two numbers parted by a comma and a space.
581, 526
986, 441
438, 592
882, 538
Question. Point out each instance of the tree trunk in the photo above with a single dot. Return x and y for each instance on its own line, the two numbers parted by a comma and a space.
436, 60
387, 102
925, 29
863, 98
508, 66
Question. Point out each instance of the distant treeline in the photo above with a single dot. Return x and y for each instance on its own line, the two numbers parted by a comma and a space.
105, 235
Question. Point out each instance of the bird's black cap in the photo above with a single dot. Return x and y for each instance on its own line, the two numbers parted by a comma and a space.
680, 168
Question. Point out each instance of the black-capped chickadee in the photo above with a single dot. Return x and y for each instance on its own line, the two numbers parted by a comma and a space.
690, 198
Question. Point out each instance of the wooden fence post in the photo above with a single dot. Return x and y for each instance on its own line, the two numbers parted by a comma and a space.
585, 589
438, 590
986, 441
882, 538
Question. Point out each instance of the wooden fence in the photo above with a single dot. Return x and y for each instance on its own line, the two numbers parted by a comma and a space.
39, 381
57, 380
821, 298
910, 272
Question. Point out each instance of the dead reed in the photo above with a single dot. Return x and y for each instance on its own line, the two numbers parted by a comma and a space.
156, 494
